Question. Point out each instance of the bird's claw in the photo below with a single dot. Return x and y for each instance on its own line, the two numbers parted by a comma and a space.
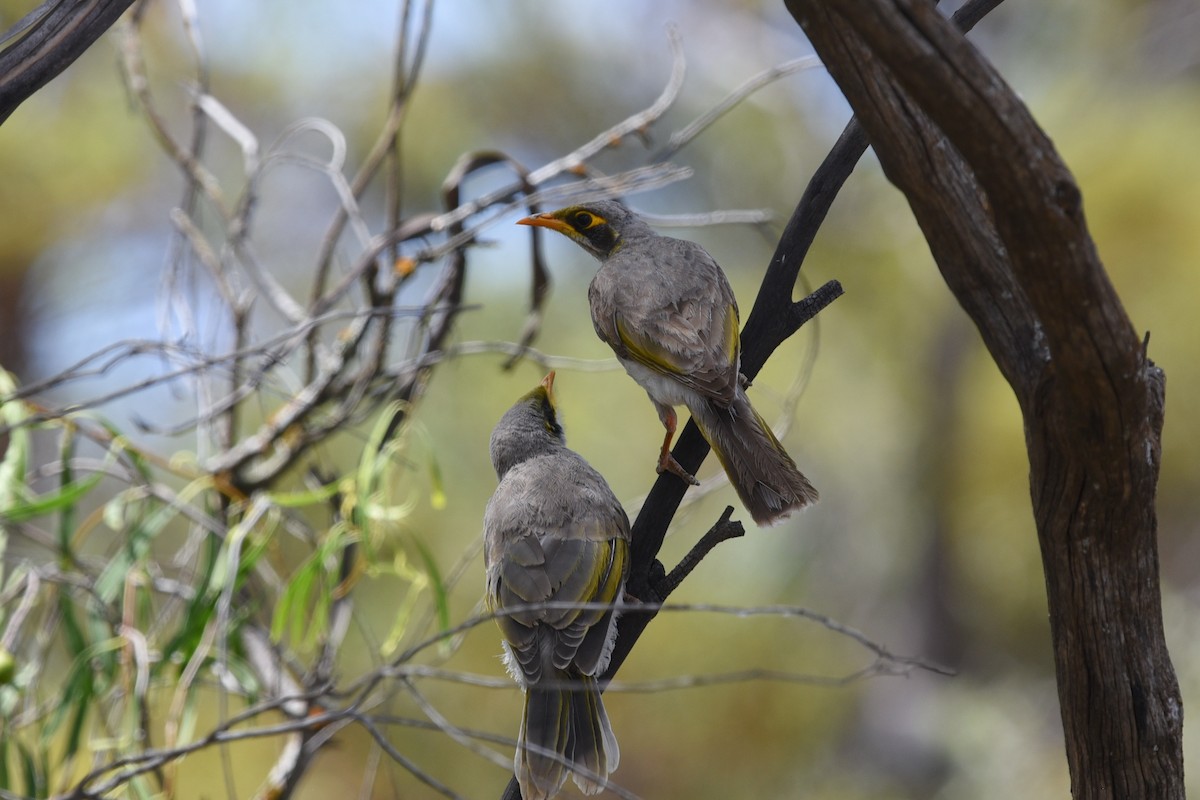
669, 464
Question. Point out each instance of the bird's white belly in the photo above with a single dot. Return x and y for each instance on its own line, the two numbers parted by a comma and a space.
661, 389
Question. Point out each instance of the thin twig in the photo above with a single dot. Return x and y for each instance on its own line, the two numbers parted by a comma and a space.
404, 761
688, 133
722, 531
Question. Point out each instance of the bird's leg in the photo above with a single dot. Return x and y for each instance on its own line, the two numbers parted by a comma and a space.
666, 461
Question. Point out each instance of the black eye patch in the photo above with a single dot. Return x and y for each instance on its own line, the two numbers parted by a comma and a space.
550, 418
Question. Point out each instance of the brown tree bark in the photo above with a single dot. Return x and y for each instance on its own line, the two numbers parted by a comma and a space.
1004, 220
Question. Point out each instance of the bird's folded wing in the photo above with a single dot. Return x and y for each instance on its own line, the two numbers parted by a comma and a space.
566, 566
693, 345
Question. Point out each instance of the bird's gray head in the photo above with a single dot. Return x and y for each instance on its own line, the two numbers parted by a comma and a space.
601, 227
530, 428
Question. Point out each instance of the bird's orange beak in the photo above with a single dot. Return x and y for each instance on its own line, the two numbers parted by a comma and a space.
547, 220
548, 383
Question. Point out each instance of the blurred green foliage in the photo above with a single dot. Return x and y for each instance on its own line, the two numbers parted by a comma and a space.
923, 539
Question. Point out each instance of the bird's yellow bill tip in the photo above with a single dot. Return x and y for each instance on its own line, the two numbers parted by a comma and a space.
546, 220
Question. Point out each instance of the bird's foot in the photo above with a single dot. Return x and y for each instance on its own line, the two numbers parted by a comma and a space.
668, 464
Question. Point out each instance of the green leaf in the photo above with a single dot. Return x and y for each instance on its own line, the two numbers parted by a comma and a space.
8, 667
441, 597
78, 691
77, 695
199, 609
437, 497
73, 634
137, 542
301, 616
291, 610
233, 549
254, 550
120, 446
403, 610
300, 499
65, 497
374, 459
141, 788
12, 467
4, 779
75, 731
320, 617
187, 721
303, 608
34, 784
66, 514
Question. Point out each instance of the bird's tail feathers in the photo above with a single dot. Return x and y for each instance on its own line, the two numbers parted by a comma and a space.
565, 730
761, 471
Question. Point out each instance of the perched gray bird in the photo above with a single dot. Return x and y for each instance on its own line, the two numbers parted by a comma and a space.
666, 309
554, 532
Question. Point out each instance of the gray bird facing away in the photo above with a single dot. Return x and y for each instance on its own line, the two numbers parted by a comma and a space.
554, 532
666, 309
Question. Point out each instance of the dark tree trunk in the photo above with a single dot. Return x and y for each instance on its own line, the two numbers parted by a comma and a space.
1004, 220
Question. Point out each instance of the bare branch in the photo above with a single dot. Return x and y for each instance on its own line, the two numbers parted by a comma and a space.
722, 531
683, 137
636, 124
404, 761
49, 39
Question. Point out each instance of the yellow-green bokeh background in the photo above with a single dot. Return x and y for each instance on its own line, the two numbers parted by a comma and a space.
923, 539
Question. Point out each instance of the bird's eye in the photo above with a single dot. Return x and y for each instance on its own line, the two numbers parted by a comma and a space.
584, 220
